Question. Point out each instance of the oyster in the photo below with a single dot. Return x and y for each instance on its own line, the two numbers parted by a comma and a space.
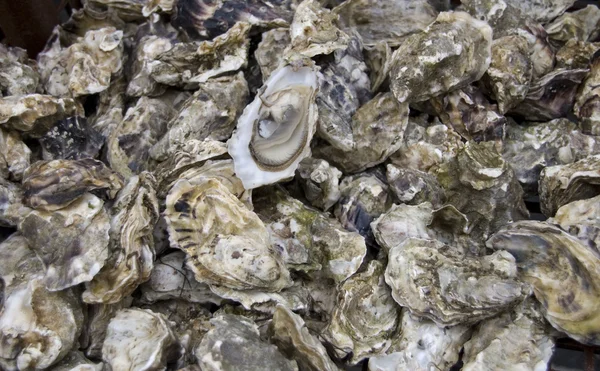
542, 11
292, 337
273, 134
99, 316
138, 339
109, 111
587, 103
12, 209
422, 345
451, 53
378, 59
320, 182
581, 25
188, 64
18, 74
413, 186
72, 139
562, 184
269, 53
314, 30
502, 16
210, 113
131, 10
36, 113
511, 71
133, 216
576, 55
85, 67
580, 219
76, 361
385, 21
545, 257
71, 242
226, 243
365, 317
543, 103
441, 283
14, 155
516, 339
52, 185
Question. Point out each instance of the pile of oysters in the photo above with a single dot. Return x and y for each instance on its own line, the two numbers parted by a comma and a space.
301, 185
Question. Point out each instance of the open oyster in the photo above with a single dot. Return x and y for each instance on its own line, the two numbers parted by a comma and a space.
587, 103
210, 113
226, 243
441, 283
451, 53
515, 339
14, 155
18, 74
273, 134
138, 339
421, 346
365, 317
292, 337
71, 242
320, 182
545, 257
72, 139
234, 344
52, 185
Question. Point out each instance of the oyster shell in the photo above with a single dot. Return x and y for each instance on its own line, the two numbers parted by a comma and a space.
52, 185
188, 64
14, 155
320, 182
18, 74
542, 102
511, 71
587, 103
378, 59
109, 112
441, 283
273, 134
226, 243
385, 21
36, 113
210, 113
576, 55
269, 53
131, 10
291, 335
580, 219
72, 139
502, 16
71, 242
133, 216
234, 344
516, 339
422, 345
12, 209
581, 25
414, 187
99, 316
365, 317
562, 184
85, 67
314, 30
76, 361
546, 257
542, 11
451, 53
138, 339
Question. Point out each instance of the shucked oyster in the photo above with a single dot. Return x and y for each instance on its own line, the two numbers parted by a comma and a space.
18, 74
563, 271
441, 283
273, 134
451, 53
226, 243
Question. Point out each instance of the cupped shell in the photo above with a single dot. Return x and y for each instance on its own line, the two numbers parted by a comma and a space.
14, 155
73, 138
18, 74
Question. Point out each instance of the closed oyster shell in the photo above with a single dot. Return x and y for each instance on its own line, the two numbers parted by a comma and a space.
320, 182
132, 10
515, 339
563, 271
580, 219
234, 344
14, 155
421, 346
85, 67
587, 102
542, 11
52, 185
210, 113
72, 139
133, 216
581, 25
414, 187
12, 209
576, 55
502, 16
71, 242
269, 53
36, 113
388, 21
291, 335
551, 96
226, 243
441, 283
365, 317
99, 316
377, 132
314, 30
138, 339
188, 64
451, 53
511, 71
562, 184
273, 134
18, 74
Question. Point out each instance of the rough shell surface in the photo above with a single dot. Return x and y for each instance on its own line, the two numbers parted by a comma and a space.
269, 53
12, 209
581, 25
576, 55
414, 187
73, 138
587, 103
14, 155
18, 74
320, 182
